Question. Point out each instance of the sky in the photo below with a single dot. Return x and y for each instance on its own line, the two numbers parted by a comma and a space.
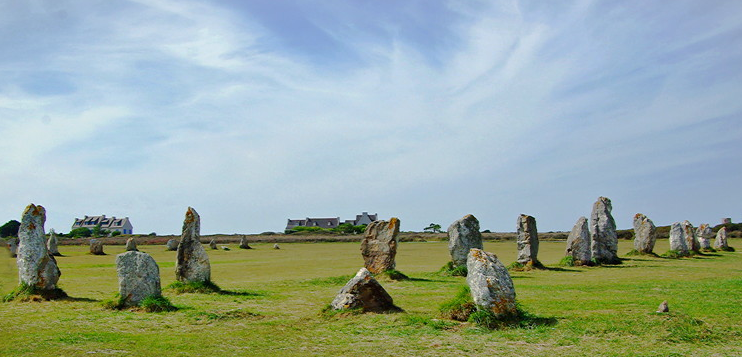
253, 112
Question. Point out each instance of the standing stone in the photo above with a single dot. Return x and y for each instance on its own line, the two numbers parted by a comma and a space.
603, 238
36, 267
131, 245
51, 244
379, 245
645, 234
96, 247
677, 238
244, 244
527, 240
212, 244
578, 243
192, 262
721, 239
139, 277
275, 246
704, 235
463, 235
490, 283
363, 291
172, 244
13, 247
689, 233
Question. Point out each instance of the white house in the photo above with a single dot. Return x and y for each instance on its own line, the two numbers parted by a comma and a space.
122, 225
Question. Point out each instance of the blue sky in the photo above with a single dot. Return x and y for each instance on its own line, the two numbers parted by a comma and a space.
255, 112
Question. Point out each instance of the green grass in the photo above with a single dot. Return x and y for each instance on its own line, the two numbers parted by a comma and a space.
25, 292
449, 270
198, 287
278, 296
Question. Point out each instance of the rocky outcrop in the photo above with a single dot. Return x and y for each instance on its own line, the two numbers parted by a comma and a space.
36, 267
364, 292
52, 244
527, 240
645, 234
192, 264
244, 244
603, 237
490, 283
131, 245
677, 238
463, 235
172, 244
704, 235
578, 243
721, 239
96, 247
139, 277
379, 245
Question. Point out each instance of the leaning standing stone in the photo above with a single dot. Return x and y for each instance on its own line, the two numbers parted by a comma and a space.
527, 240
603, 238
139, 277
645, 234
96, 247
192, 261
244, 244
704, 234
36, 267
689, 233
463, 235
379, 245
721, 239
13, 247
212, 244
172, 244
578, 243
490, 283
363, 291
51, 244
131, 245
677, 238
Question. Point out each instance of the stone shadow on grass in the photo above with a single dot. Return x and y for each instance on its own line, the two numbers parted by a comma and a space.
241, 293
563, 269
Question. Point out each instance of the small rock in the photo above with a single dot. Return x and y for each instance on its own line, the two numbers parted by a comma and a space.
663, 307
244, 244
490, 283
224, 247
96, 247
131, 245
363, 291
172, 244
52, 244
192, 264
139, 277
578, 243
275, 246
463, 235
379, 245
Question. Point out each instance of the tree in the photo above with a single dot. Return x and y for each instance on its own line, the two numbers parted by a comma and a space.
80, 232
433, 228
10, 229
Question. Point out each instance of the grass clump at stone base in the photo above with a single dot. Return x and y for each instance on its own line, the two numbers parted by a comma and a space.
392, 274
329, 311
517, 266
25, 292
674, 254
635, 252
599, 262
708, 250
198, 287
726, 249
450, 270
460, 307
152, 303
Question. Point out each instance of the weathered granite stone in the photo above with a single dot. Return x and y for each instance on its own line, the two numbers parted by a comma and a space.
131, 245
645, 234
677, 238
244, 244
139, 277
172, 244
275, 246
363, 291
379, 245
527, 240
13, 247
212, 244
689, 233
664, 307
704, 235
96, 247
578, 243
721, 239
490, 283
603, 237
192, 261
463, 235
36, 267
51, 244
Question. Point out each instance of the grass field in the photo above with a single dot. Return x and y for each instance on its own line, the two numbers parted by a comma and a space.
275, 299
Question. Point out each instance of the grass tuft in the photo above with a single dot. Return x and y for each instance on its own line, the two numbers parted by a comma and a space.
25, 292
567, 261
599, 262
328, 311
517, 266
674, 254
198, 287
157, 303
460, 307
450, 270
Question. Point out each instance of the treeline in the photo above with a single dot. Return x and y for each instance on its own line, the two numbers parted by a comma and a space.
345, 228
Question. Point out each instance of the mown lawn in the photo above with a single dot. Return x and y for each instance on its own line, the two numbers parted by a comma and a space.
275, 299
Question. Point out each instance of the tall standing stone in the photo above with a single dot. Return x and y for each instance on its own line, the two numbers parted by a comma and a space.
704, 235
490, 283
131, 245
244, 244
139, 277
363, 291
51, 244
463, 235
13, 247
603, 237
379, 245
645, 234
172, 244
677, 238
96, 247
721, 239
212, 244
36, 267
689, 233
578, 243
192, 261
527, 240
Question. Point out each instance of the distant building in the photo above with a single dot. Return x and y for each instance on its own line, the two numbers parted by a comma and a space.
726, 220
122, 225
363, 218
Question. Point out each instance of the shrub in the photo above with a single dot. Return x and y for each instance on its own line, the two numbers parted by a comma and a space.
10, 229
567, 261
115, 233
81, 232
